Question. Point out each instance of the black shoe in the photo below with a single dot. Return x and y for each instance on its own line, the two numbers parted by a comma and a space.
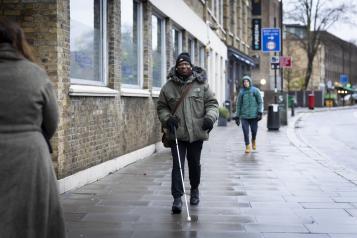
177, 206
195, 197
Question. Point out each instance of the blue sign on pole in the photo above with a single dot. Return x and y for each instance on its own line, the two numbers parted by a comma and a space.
343, 78
271, 40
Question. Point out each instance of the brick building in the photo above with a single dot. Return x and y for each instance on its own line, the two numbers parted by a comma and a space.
108, 60
335, 57
237, 29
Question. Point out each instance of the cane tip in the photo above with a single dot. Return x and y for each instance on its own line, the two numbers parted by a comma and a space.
188, 218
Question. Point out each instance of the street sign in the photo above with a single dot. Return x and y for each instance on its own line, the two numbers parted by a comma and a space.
274, 66
285, 62
256, 37
343, 78
271, 40
274, 60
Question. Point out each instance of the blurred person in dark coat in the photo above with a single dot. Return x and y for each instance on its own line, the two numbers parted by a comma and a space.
29, 201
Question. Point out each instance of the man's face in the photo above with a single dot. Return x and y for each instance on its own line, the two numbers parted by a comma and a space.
184, 68
246, 83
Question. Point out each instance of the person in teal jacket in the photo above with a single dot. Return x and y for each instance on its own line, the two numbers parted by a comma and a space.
249, 111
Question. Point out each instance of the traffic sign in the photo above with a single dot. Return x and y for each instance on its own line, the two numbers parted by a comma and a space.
271, 40
285, 62
274, 60
343, 78
274, 66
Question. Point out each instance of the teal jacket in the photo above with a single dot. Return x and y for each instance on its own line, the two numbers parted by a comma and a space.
249, 101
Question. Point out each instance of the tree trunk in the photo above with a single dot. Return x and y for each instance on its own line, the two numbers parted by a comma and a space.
308, 74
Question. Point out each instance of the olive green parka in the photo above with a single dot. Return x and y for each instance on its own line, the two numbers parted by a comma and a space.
199, 103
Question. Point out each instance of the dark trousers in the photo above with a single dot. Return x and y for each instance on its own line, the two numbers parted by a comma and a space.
253, 124
193, 153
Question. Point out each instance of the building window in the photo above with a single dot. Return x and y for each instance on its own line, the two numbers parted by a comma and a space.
176, 42
131, 44
216, 7
211, 5
232, 16
221, 12
158, 51
88, 42
202, 56
191, 49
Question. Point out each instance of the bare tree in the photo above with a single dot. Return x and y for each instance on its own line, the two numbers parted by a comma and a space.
316, 16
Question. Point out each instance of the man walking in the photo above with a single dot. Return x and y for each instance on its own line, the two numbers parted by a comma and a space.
249, 111
186, 104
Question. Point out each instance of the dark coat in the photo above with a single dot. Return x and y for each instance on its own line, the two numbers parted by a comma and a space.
29, 202
199, 103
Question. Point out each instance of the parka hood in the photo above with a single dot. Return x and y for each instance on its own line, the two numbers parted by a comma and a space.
246, 77
7, 52
198, 74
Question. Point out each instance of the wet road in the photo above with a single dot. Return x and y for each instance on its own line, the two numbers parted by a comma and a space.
332, 134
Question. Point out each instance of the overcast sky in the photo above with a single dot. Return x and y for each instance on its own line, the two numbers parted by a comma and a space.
345, 31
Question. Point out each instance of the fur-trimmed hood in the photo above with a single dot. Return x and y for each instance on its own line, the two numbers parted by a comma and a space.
198, 74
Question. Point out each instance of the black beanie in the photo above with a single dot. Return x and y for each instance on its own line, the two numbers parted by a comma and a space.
184, 56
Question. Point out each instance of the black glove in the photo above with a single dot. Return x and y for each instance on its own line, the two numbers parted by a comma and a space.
172, 123
237, 120
207, 124
259, 116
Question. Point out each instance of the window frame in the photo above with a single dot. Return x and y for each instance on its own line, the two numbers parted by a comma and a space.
192, 51
180, 41
103, 68
140, 53
202, 55
163, 51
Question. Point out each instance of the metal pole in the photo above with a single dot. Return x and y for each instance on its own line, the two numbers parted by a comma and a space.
275, 85
275, 79
281, 44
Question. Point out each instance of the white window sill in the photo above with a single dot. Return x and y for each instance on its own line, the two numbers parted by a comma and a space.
91, 91
155, 93
134, 92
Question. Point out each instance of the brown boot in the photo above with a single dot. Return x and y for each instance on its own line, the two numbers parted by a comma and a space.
247, 148
254, 144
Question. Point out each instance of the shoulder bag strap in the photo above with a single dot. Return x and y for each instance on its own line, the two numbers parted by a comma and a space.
183, 95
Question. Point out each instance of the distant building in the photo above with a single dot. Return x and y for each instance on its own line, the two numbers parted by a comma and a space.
237, 28
335, 57
340, 59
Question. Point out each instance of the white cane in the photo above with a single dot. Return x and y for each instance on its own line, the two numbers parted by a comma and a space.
183, 185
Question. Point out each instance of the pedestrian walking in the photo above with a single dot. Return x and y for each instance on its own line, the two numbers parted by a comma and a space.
249, 111
187, 104
29, 201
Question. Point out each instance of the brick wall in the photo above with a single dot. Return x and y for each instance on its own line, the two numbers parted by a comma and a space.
91, 129
102, 128
39, 22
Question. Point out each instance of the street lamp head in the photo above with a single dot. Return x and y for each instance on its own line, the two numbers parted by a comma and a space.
263, 82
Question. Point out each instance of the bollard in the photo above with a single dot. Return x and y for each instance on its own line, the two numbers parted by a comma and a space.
292, 109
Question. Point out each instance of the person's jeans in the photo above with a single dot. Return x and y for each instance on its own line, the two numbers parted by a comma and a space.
253, 124
193, 153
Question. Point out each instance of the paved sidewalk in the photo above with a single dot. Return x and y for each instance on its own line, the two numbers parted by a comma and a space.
280, 191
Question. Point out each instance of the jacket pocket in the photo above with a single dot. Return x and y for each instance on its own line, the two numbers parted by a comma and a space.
197, 106
199, 134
